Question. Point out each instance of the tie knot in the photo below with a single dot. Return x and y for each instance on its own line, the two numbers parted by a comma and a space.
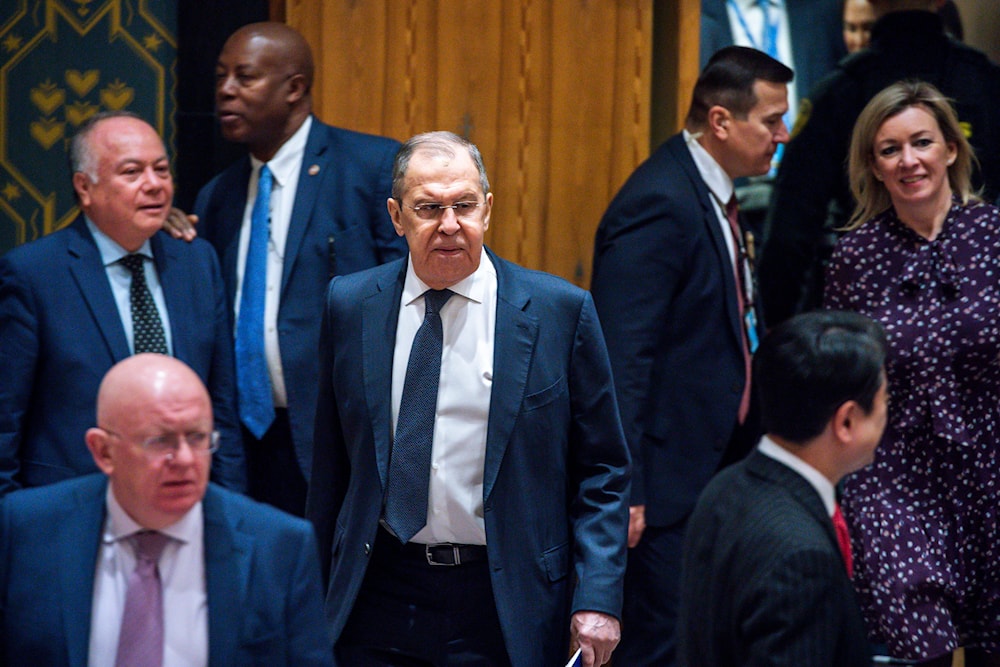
434, 300
265, 179
133, 262
149, 545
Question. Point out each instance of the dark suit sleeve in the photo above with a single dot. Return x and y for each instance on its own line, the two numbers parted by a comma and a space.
18, 356
599, 471
330, 467
792, 618
229, 463
638, 264
309, 642
390, 245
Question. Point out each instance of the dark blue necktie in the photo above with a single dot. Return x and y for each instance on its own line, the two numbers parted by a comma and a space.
147, 327
410, 463
252, 379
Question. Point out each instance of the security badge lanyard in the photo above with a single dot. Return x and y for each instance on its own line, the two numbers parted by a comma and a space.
747, 256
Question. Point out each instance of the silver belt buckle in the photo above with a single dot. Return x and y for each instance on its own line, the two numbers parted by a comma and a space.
430, 557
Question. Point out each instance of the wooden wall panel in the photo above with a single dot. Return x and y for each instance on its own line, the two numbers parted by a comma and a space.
556, 94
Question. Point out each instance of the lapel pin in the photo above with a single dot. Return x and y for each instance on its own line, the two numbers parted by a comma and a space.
313, 170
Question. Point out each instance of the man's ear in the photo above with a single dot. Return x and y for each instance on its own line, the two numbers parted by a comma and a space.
394, 211
82, 184
100, 449
297, 88
719, 119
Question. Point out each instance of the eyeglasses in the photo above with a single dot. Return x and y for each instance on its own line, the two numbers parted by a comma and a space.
463, 210
166, 446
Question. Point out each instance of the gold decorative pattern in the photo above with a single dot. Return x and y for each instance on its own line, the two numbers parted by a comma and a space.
61, 62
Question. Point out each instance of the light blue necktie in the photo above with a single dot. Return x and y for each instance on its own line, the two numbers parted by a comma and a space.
252, 379
410, 463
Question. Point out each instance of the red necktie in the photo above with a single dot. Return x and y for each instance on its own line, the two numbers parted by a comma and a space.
843, 539
733, 216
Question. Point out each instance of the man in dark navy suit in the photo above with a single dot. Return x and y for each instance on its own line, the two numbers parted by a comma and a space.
235, 582
766, 570
475, 516
69, 308
325, 216
673, 285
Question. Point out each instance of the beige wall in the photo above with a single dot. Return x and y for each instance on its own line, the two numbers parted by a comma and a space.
556, 93
981, 22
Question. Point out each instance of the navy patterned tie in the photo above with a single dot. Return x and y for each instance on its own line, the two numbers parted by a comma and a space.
147, 328
253, 381
410, 463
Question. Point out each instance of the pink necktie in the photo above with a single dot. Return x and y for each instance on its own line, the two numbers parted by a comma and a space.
140, 643
733, 215
843, 540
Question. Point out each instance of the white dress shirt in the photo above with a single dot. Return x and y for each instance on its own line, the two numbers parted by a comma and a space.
120, 279
182, 574
285, 167
719, 184
458, 456
815, 478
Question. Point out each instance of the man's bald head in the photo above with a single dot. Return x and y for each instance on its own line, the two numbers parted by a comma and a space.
289, 43
154, 438
139, 380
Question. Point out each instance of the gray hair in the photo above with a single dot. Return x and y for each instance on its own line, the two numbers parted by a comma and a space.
442, 143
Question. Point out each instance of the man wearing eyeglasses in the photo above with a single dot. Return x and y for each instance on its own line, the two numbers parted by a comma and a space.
321, 213
75, 302
470, 476
148, 563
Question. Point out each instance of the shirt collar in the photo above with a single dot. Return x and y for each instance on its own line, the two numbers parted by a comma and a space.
815, 478
120, 525
472, 288
288, 157
712, 173
109, 249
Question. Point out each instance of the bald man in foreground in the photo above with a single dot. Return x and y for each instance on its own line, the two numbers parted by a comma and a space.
232, 581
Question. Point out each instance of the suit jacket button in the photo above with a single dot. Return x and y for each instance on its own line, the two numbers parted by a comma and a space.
368, 549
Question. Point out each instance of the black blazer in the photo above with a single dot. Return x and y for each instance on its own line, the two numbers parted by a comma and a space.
763, 580
665, 291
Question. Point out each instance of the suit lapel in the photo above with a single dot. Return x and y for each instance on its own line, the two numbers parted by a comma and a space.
174, 288
379, 315
87, 269
81, 541
311, 176
712, 224
228, 554
780, 474
513, 348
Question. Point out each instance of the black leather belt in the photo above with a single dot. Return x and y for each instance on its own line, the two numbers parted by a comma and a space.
444, 554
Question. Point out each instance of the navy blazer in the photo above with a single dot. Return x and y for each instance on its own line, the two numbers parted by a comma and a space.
763, 580
265, 603
816, 35
61, 332
556, 476
665, 290
339, 225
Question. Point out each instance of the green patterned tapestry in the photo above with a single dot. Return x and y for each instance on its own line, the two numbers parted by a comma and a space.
61, 61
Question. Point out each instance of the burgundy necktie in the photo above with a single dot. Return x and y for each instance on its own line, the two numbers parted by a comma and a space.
140, 643
843, 539
733, 216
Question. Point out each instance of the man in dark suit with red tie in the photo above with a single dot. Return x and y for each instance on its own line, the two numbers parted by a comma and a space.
766, 569
673, 286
